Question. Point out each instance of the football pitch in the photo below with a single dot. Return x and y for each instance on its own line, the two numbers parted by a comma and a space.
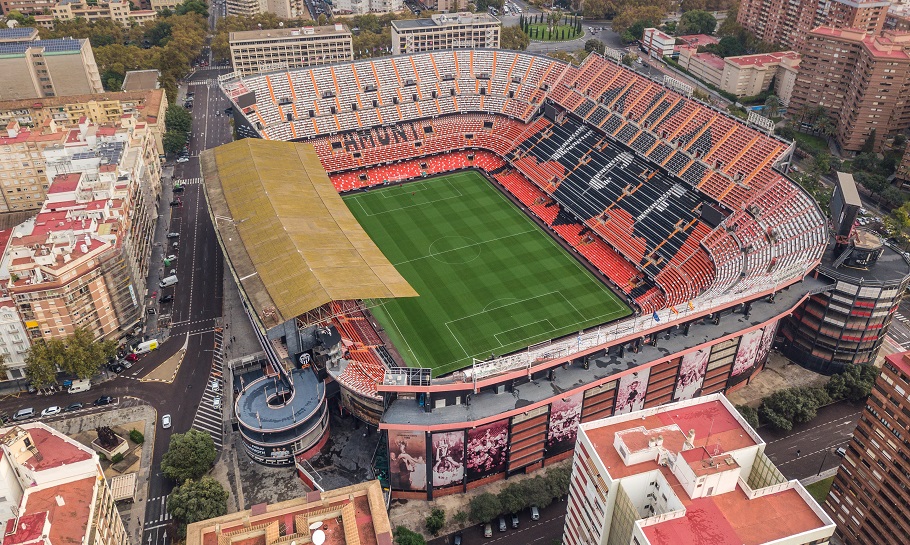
490, 281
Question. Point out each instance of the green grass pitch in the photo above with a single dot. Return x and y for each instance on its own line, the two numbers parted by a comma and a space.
490, 281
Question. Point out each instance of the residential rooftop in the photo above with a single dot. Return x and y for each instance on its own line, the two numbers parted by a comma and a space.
701, 437
762, 59
446, 19
141, 80
301, 32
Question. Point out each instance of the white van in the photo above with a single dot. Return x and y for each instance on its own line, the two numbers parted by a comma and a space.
146, 347
24, 414
168, 281
82, 385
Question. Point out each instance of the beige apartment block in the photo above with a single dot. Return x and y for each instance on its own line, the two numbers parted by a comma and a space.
148, 107
46, 68
863, 80
359, 7
746, 75
55, 490
441, 31
286, 9
23, 174
258, 51
788, 22
116, 10
158, 5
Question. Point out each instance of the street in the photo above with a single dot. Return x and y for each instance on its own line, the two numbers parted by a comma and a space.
545, 531
815, 441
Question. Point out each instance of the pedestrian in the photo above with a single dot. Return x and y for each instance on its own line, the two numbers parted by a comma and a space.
797, 453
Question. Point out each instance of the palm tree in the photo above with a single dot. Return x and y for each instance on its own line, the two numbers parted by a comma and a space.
772, 107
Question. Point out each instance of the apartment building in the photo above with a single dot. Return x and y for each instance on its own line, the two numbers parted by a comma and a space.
871, 491
360, 7
902, 175
148, 107
46, 68
55, 490
446, 6
286, 9
863, 80
23, 176
687, 472
14, 343
441, 31
256, 51
657, 44
27, 7
745, 75
788, 22
898, 17
348, 515
82, 260
115, 10
158, 5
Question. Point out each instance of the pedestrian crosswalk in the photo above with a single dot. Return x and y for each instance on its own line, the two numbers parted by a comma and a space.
206, 81
210, 413
902, 318
189, 181
158, 513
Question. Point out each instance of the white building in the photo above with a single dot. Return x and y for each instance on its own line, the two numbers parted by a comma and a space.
14, 341
441, 31
687, 472
52, 490
657, 44
359, 7
255, 51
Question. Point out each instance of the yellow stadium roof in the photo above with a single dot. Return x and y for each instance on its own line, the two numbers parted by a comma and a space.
291, 241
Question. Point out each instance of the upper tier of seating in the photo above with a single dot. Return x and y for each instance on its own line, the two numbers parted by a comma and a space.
634, 163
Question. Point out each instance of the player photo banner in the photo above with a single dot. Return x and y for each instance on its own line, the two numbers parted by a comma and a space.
564, 417
488, 446
448, 458
691, 375
766, 341
745, 355
630, 396
407, 460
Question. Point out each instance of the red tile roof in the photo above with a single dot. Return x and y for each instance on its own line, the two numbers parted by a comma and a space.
70, 521
64, 183
55, 451
27, 529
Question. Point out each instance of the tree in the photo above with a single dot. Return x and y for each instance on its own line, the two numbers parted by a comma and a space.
512, 498
553, 18
696, 22
173, 141
403, 536
197, 500
875, 183
893, 196
750, 414
772, 107
854, 383
42, 362
784, 408
192, 6
595, 45
189, 456
435, 521
484, 507
537, 492
869, 144
512, 37
84, 355
558, 480
630, 24
177, 118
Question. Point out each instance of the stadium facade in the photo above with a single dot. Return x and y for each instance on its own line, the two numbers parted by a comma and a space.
685, 211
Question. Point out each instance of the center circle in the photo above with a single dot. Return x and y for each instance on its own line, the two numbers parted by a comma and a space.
455, 250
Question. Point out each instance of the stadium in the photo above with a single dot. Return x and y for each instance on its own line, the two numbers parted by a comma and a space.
478, 249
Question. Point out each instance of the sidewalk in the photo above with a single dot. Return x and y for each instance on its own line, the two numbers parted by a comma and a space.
159, 247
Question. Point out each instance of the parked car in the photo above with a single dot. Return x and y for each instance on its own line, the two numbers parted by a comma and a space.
72, 407
173, 235
51, 411
456, 539
166, 421
216, 403
132, 357
178, 188
171, 258
176, 202
181, 160
103, 400
502, 524
24, 414
166, 299
535, 513
214, 385
126, 364
841, 451
514, 520
116, 367
487, 530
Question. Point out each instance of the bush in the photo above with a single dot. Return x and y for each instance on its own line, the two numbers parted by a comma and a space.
484, 507
102, 456
436, 521
137, 437
750, 414
403, 536
117, 458
460, 518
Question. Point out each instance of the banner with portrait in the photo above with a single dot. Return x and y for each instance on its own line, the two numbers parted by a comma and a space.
448, 458
565, 414
407, 460
488, 447
630, 395
766, 341
691, 375
745, 355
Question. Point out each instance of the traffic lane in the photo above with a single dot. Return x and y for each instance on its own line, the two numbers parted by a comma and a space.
800, 453
548, 529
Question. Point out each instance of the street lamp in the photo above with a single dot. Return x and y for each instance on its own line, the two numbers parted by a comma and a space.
824, 459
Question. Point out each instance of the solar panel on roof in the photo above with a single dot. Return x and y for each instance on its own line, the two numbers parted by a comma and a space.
59, 45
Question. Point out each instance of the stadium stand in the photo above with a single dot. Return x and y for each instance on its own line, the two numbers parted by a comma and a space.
622, 168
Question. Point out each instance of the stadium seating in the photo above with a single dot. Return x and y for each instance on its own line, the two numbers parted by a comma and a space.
622, 174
